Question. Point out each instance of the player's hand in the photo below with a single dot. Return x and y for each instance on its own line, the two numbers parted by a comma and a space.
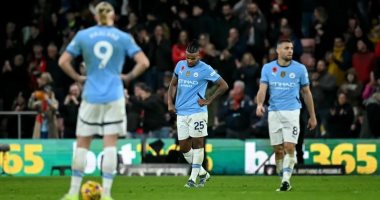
260, 110
312, 123
203, 102
81, 79
127, 78
171, 109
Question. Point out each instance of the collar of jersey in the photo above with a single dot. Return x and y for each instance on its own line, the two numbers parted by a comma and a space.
284, 66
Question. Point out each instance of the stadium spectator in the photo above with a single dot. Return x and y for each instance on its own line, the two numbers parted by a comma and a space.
363, 61
323, 88
43, 101
236, 112
248, 71
373, 109
254, 29
179, 49
339, 60
352, 87
159, 55
341, 118
152, 111
70, 111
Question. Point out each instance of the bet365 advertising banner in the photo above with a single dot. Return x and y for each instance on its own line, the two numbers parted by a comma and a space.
224, 156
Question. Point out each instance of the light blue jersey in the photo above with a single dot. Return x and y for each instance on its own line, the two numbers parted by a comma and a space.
192, 85
103, 49
284, 84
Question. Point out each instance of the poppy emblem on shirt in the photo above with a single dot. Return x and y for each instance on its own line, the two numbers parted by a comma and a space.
188, 73
274, 71
195, 74
182, 68
283, 74
292, 75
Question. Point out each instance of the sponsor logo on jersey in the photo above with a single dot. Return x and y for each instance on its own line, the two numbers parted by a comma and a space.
195, 74
187, 83
282, 85
292, 75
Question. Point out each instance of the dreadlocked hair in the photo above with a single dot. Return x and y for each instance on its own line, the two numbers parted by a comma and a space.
193, 47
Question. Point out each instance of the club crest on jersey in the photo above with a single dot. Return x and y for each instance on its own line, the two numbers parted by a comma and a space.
188, 73
195, 74
292, 75
283, 74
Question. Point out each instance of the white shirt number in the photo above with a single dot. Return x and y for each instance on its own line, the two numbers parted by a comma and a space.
103, 55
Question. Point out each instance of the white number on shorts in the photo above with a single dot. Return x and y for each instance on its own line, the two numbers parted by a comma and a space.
198, 125
103, 50
295, 130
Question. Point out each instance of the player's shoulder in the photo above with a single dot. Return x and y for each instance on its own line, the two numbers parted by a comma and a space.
270, 65
181, 64
205, 65
298, 64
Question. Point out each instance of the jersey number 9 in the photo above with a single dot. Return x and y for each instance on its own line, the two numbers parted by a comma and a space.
103, 50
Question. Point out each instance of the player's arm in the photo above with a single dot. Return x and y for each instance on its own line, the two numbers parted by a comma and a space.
171, 92
142, 63
65, 64
260, 97
221, 89
308, 98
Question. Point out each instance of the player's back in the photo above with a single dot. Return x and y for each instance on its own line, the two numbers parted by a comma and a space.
103, 49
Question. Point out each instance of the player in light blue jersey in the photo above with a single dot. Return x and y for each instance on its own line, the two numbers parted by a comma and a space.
102, 110
188, 87
284, 78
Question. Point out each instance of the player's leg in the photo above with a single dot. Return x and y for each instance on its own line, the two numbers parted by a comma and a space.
198, 157
78, 166
289, 161
185, 142
114, 125
276, 139
87, 117
198, 131
188, 152
291, 134
279, 157
109, 163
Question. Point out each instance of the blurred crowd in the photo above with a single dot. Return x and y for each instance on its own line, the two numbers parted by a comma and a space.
338, 41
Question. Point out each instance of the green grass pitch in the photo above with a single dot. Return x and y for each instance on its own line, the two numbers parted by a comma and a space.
219, 187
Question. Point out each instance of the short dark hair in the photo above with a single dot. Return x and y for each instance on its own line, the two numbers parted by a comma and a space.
193, 46
144, 87
284, 41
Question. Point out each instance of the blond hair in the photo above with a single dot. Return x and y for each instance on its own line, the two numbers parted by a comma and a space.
103, 9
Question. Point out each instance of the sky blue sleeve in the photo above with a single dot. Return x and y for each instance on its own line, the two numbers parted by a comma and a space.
264, 77
131, 48
304, 77
211, 74
74, 47
176, 69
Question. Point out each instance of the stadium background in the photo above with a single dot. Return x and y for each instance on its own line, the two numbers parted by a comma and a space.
334, 39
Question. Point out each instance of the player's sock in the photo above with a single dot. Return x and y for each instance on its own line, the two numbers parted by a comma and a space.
78, 166
108, 167
279, 164
198, 155
289, 161
189, 158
